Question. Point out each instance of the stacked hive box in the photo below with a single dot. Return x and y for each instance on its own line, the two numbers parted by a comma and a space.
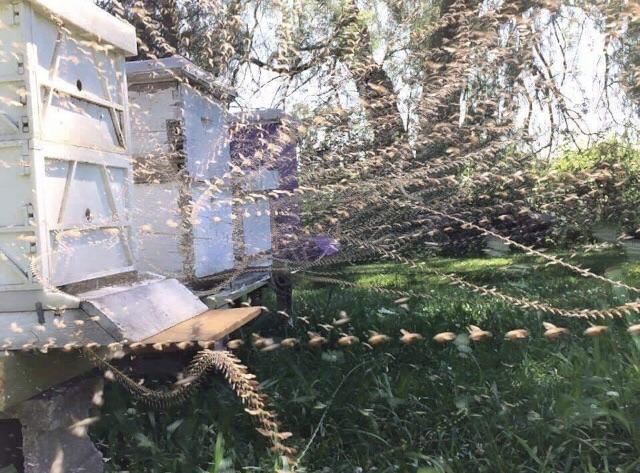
67, 269
68, 266
213, 216
263, 146
181, 153
63, 148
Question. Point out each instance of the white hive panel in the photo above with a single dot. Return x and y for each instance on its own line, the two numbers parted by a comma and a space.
256, 214
206, 144
212, 232
256, 225
151, 107
157, 219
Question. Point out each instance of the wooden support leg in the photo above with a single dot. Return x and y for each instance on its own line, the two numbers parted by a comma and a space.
284, 293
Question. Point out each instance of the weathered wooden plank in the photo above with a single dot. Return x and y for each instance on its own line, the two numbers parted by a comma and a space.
209, 326
134, 313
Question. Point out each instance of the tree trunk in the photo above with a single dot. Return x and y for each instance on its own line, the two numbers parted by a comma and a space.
375, 88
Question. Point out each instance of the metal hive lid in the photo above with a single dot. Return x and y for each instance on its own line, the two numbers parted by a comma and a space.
175, 68
263, 115
93, 20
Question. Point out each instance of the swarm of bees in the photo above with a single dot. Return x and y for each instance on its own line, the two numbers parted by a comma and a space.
376, 339
444, 176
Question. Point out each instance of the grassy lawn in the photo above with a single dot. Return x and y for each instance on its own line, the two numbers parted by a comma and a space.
532, 406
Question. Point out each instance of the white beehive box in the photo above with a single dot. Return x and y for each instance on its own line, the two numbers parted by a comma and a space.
66, 177
64, 135
257, 216
263, 147
184, 200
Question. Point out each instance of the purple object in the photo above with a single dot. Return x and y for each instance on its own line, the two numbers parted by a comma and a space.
329, 246
267, 139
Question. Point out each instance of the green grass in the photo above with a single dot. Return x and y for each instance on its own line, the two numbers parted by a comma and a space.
533, 406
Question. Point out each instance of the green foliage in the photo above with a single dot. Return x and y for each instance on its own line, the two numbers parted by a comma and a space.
607, 153
208, 433
535, 406
585, 190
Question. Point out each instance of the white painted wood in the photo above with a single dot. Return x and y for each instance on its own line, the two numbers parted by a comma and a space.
64, 160
157, 218
170, 69
256, 223
70, 327
136, 313
207, 143
92, 21
212, 232
256, 215
151, 107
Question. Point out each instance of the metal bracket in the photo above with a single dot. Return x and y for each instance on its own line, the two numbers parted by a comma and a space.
16, 14
20, 64
40, 312
30, 212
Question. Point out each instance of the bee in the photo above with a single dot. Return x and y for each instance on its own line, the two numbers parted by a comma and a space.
634, 329
260, 342
316, 340
377, 338
408, 338
347, 340
289, 342
596, 330
552, 332
98, 398
271, 347
444, 337
185, 381
235, 344
16, 328
477, 334
344, 319
517, 334
79, 429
